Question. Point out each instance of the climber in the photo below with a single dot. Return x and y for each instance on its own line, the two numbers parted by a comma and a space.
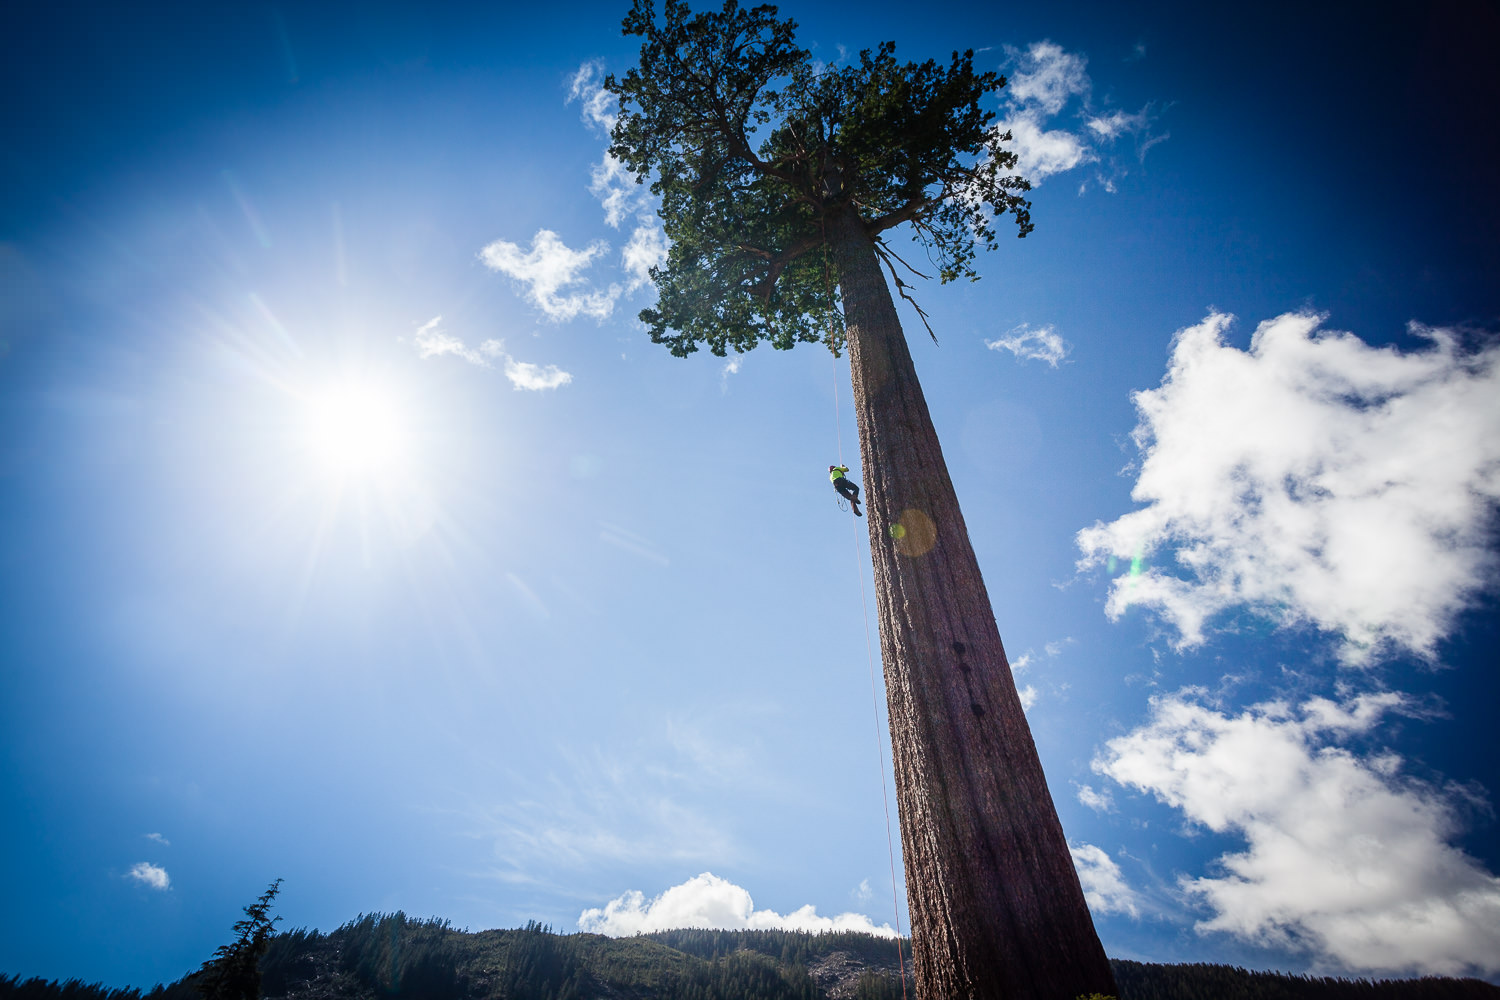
846, 487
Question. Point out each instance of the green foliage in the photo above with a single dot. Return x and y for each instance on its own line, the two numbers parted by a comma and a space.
402, 958
14, 988
234, 971
386, 956
1145, 981
753, 146
873, 986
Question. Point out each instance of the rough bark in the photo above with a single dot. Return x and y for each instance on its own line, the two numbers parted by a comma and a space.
996, 907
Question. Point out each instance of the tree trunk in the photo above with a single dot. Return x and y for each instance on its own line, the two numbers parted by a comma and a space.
996, 907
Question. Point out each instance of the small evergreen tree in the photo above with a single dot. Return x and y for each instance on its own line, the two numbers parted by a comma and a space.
234, 971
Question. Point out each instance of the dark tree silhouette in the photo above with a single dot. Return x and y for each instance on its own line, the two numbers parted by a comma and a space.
234, 971
777, 179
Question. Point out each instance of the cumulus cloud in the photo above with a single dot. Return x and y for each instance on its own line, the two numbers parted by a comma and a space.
1314, 479
150, 875
1040, 152
1040, 344
708, 901
432, 341
1103, 883
548, 268
1345, 858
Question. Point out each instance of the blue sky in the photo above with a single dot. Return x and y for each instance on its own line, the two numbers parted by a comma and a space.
353, 532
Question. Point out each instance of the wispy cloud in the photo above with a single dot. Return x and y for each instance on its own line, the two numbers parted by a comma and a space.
158, 838
647, 249
153, 876
711, 902
730, 367
1047, 76
525, 375
632, 803
616, 188
1314, 479
1041, 343
597, 106
432, 341
551, 272
1099, 801
1345, 857
628, 540
548, 269
1104, 884
1045, 80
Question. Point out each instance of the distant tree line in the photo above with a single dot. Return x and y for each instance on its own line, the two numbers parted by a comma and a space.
390, 956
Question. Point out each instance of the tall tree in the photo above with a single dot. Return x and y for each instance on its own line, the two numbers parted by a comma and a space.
778, 178
234, 971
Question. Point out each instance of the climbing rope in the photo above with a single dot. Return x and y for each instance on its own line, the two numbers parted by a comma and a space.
859, 572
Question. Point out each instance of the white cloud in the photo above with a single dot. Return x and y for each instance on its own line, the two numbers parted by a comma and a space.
1099, 801
863, 892
525, 375
1040, 153
151, 875
547, 269
1045, 80
1040, 344
432, 342
1344, 857
609, 181
616, 189
647, 249
711, 902
1314, 479
1028, 697
550, 270
730, 367
1104, 885
598, 105
1047, 76
1116, 124
163, 841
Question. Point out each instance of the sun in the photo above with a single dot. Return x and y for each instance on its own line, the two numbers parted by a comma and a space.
355, 429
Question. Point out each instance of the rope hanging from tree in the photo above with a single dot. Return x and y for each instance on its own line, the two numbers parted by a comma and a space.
870, 658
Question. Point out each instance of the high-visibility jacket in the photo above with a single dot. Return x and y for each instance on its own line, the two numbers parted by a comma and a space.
837, 473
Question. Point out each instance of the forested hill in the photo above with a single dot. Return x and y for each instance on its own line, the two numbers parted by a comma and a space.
392, 957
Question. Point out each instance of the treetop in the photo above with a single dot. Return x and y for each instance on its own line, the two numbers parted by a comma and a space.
752, 145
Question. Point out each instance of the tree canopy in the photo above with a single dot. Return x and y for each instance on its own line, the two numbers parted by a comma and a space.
751, 144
